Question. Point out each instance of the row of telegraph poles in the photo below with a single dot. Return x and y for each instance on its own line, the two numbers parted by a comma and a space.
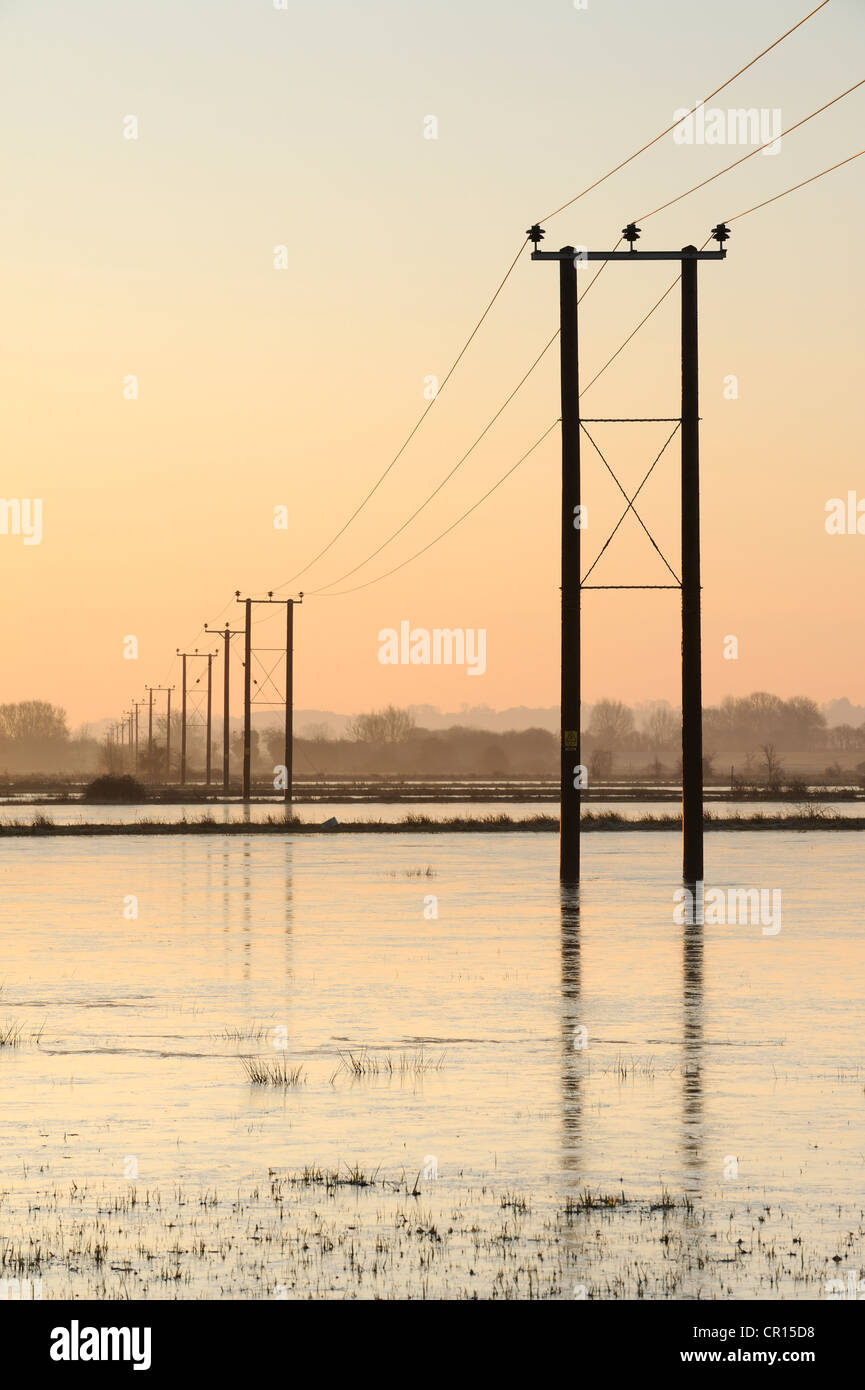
573, 583
126, 733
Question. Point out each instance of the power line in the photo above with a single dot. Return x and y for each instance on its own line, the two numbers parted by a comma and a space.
697, 186
672, 127
317, 592
751, 153
508, 273
796, 186
446, 479
453, 524
645, 319
409, 437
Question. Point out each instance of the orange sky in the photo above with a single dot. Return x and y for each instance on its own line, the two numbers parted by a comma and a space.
258, 387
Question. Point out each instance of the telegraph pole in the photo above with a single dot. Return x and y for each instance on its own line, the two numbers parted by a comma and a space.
150, 690
184, 709
137, 705
247, 697
692, 683
289, 688
168, 737
182, 655
289, 698
210, 656
571, 778
689, 584
226, 634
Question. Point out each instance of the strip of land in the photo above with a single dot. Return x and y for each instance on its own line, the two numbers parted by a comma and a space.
286, 825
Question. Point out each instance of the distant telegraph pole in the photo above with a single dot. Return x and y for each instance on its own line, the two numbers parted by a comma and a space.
573, 584
247, 699
137, 705
184, 709
226, 634
289, 690
208, 726
167, 689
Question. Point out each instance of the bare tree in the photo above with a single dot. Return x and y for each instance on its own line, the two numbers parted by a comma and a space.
36, 719
611, 723
772, 766
388, 725
662, 728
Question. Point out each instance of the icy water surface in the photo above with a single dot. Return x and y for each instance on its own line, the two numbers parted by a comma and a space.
481, 1150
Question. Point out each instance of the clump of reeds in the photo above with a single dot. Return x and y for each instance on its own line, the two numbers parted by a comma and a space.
366, 1064
313, 1176
593, 1201
513, 1200
262, 1072
10, 1034
242, 1033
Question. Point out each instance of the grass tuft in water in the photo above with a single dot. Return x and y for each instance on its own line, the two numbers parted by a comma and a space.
261, 1072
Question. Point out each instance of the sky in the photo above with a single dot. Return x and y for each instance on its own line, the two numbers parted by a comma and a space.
288, 378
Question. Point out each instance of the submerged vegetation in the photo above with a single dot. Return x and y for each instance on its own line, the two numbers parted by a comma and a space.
380, 1237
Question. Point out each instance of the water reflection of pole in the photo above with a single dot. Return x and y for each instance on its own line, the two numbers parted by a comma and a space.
288, 925
247, 908
573, 1046
693, 1119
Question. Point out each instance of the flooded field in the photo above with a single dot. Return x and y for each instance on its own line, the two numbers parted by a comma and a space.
429, 1118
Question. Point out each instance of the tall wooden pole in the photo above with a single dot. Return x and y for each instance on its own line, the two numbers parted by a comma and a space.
289, 696
247, 702
569, 834
168, 739
692, 694
183, 727
225, 690
209, 717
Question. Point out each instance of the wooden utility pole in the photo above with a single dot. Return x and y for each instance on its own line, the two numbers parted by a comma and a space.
168, 736
289, 688
184, 710
183, 723
247, 699
689, 584
569, 835
150, 691
210, 656
289, 698
692, 681
137, 705
226, 634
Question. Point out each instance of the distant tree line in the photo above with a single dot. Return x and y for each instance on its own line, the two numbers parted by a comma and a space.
35, 738
738, 724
